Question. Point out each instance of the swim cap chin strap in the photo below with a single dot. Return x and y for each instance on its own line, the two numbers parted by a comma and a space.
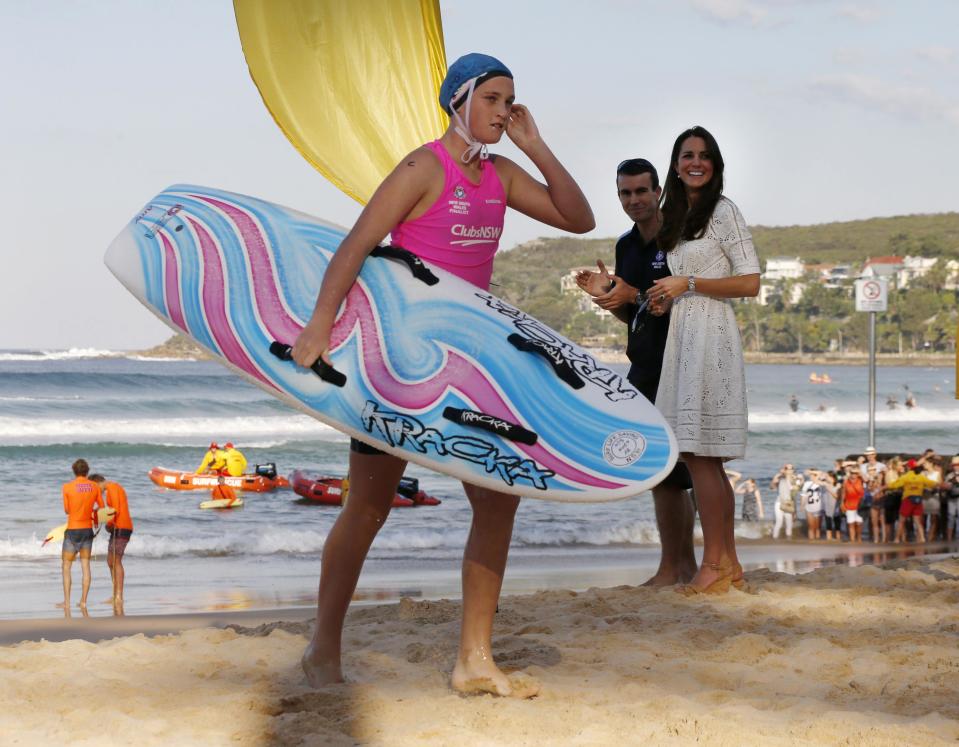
462, 128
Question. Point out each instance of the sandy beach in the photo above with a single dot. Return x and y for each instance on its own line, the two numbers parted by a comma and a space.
862, 655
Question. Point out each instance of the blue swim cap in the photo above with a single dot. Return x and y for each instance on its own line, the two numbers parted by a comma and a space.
467, 67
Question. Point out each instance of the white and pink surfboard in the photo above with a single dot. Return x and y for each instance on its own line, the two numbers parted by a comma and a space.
427, 366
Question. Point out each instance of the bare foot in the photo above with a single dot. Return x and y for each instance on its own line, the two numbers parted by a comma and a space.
478, 673
320, 673
63, 605
108, 601
662, 579
670, 576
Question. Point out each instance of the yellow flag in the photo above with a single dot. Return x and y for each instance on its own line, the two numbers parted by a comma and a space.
353, 85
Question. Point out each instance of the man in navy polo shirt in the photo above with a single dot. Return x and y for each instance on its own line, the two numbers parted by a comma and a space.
639, 264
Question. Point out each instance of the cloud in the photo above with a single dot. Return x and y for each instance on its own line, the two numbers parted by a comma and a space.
938, 54
859, 12
768, 13
850, 56
730, 11
916, 103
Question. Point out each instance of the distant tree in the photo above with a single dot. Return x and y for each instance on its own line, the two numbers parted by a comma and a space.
941, 332
900, 244
920, 307
750, 317
932, 246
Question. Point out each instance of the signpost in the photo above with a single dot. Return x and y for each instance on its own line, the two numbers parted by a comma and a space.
872, 295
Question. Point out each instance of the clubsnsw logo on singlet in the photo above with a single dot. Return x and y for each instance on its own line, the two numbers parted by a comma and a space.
464, 235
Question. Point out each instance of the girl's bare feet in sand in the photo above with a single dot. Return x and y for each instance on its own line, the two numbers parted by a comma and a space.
671, 576
477, 673
320, 671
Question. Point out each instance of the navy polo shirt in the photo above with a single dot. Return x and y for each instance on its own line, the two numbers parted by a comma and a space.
641, 264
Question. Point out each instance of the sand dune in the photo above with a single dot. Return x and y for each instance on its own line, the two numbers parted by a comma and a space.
838, 656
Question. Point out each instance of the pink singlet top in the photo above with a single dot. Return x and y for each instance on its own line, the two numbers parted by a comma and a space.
460, 231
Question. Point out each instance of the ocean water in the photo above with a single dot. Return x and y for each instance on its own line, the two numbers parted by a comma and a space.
126, 415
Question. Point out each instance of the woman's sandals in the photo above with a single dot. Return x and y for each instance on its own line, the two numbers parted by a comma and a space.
718, 586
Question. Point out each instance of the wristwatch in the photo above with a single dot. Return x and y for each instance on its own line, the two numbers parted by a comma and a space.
692, 284
640, 297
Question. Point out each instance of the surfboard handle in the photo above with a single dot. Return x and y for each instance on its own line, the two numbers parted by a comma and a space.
492, 424
420, 271
321, 368
563, 368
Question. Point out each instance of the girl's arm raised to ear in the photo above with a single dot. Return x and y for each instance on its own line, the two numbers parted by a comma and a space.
393, 200
560, 202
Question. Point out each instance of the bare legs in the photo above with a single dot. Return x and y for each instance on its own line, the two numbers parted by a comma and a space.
117, 575
855, 531
917, 524
373, 482
484, 564
717, 509
812, 527
675, 516
68, 558
877, 524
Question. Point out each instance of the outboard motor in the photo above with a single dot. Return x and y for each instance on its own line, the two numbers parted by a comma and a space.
267, 470
408, 487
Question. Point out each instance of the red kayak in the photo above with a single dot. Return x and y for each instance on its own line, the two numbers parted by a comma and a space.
328, 490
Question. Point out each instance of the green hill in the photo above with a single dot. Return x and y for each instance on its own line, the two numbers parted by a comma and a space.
529, 274
851, 242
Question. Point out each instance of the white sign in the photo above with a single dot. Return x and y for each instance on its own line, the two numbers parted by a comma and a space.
872, 294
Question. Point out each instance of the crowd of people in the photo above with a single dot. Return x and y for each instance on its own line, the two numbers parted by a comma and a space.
83, 497
902, 499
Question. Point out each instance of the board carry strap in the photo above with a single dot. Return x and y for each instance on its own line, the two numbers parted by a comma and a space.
320, 367
420, 271
503, 428
563, 368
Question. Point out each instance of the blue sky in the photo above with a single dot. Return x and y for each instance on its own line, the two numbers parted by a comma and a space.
825, 110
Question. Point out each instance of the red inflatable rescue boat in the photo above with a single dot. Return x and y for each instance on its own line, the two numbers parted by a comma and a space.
328, 490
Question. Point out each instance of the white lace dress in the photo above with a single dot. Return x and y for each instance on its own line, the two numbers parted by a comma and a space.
702, 391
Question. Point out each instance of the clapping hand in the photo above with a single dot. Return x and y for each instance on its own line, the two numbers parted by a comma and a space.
595, 283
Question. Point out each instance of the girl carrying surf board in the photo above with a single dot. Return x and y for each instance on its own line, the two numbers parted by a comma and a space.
446, 203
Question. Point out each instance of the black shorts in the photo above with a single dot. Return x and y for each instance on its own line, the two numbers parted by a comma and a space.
832, 523
890, 505
679, 477
361, 447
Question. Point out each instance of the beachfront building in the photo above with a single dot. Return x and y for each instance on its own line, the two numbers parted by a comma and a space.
782, 268
882, 267
912, 268
952, 275
781, 274
837, 276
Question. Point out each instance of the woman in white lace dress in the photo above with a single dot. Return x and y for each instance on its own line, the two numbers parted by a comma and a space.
702, 392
